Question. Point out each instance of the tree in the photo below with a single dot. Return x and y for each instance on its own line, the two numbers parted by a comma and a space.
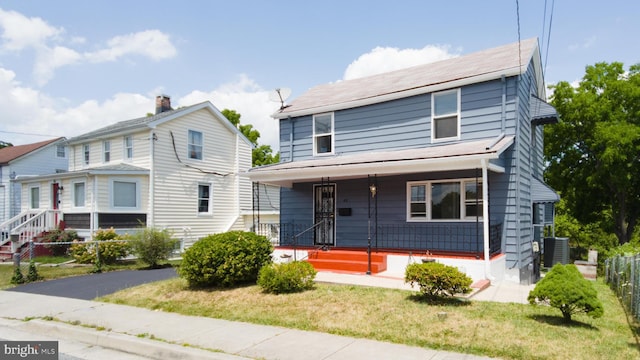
566, 289
593, 152
4, 144
262, 154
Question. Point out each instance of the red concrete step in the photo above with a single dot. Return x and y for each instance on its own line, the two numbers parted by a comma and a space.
342, 260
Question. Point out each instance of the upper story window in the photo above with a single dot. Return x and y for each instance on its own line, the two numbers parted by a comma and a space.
128, 147
445, 115
204, 199
444, 200
60, 151
323, 134
86, 149
106, 151
194, 145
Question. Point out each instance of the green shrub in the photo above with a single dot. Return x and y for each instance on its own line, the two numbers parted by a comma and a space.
564, 288
33, 275
225, 259
109, 234
17, 277
59, 236
110, 252
152, 245
289, 277
437, 280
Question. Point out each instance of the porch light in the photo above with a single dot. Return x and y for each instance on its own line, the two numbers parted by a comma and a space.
373, 190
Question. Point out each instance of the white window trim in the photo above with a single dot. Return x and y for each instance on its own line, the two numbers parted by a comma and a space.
106, 150
64, 151
332, 133
434, 118
31, 196
73, 194
125, 148
189, 144
111, 194
427, 184
209, 212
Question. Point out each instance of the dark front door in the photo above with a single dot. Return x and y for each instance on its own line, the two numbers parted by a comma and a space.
324, 214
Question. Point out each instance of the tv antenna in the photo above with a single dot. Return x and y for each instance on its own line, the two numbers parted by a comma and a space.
280, 95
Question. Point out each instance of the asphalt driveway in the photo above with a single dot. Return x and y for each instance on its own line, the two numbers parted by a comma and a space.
89, 287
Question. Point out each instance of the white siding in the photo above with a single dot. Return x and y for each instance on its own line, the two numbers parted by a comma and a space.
176, 179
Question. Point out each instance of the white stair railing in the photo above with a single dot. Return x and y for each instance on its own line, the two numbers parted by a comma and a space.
28, 225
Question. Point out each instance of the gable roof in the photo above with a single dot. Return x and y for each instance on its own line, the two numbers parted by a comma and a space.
476, 67
150, 122
11, 153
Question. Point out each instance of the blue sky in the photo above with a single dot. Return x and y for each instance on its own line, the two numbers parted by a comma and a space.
68, 67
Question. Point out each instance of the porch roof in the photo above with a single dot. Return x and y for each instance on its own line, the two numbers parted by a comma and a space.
457, 156
115, 169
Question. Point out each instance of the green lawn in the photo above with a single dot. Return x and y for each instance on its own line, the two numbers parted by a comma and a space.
509, 331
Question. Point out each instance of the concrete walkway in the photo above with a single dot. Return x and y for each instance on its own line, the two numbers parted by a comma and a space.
161, 335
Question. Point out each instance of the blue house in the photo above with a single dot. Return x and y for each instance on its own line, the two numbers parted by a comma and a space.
440, 161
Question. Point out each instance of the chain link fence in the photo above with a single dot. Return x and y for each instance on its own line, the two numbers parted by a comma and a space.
622, 273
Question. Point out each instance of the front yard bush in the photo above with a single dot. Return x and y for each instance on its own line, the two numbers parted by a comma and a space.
564, 288
153, 246
109, 251
437, 280
225, 259
57, 236
296, 276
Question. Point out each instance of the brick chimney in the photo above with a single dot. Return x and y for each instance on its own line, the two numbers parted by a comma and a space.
163, 103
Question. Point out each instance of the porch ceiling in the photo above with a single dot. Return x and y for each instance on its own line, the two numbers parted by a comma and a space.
458, 156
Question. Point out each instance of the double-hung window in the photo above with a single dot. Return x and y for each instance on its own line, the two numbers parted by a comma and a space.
204, 199
323, 134
127, 144
60, 151
106, 151
194, 145
444, 200
86, 148
78, 194
445, 115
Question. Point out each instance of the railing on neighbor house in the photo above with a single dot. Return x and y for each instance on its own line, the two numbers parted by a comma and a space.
28, 225
464, 237
622, 273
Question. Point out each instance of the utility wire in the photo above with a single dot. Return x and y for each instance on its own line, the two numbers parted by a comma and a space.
546, 56
175, 151
519, 49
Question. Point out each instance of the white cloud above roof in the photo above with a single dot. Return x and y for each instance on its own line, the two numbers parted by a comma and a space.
385, 59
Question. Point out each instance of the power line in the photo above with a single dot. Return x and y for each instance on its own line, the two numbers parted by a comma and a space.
519, 49
29, 134
546, 56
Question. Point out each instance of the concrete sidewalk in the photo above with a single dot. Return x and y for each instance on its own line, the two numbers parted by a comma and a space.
152, 334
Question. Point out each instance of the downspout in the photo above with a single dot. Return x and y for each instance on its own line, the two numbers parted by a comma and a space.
94, 205
291, 137
150, 211
485, 220
504, 104
516, 158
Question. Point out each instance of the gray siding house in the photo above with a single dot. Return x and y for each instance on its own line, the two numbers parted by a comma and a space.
441, 160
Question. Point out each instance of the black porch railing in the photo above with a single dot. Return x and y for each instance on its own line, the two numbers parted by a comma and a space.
464, 238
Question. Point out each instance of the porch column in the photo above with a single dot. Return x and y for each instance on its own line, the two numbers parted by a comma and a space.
485, 220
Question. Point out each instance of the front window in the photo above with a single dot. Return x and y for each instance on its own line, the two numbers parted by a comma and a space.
128, 147
106, 149
446, 115
204, 199
78, 194
124, 194
60, 151
34, 195
195, 145
323, 134
444, 200
86, 150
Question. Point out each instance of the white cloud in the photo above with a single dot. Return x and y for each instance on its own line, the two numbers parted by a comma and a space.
385, 59
49, 59
20, 32
153, 44
247, 98
585, 44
